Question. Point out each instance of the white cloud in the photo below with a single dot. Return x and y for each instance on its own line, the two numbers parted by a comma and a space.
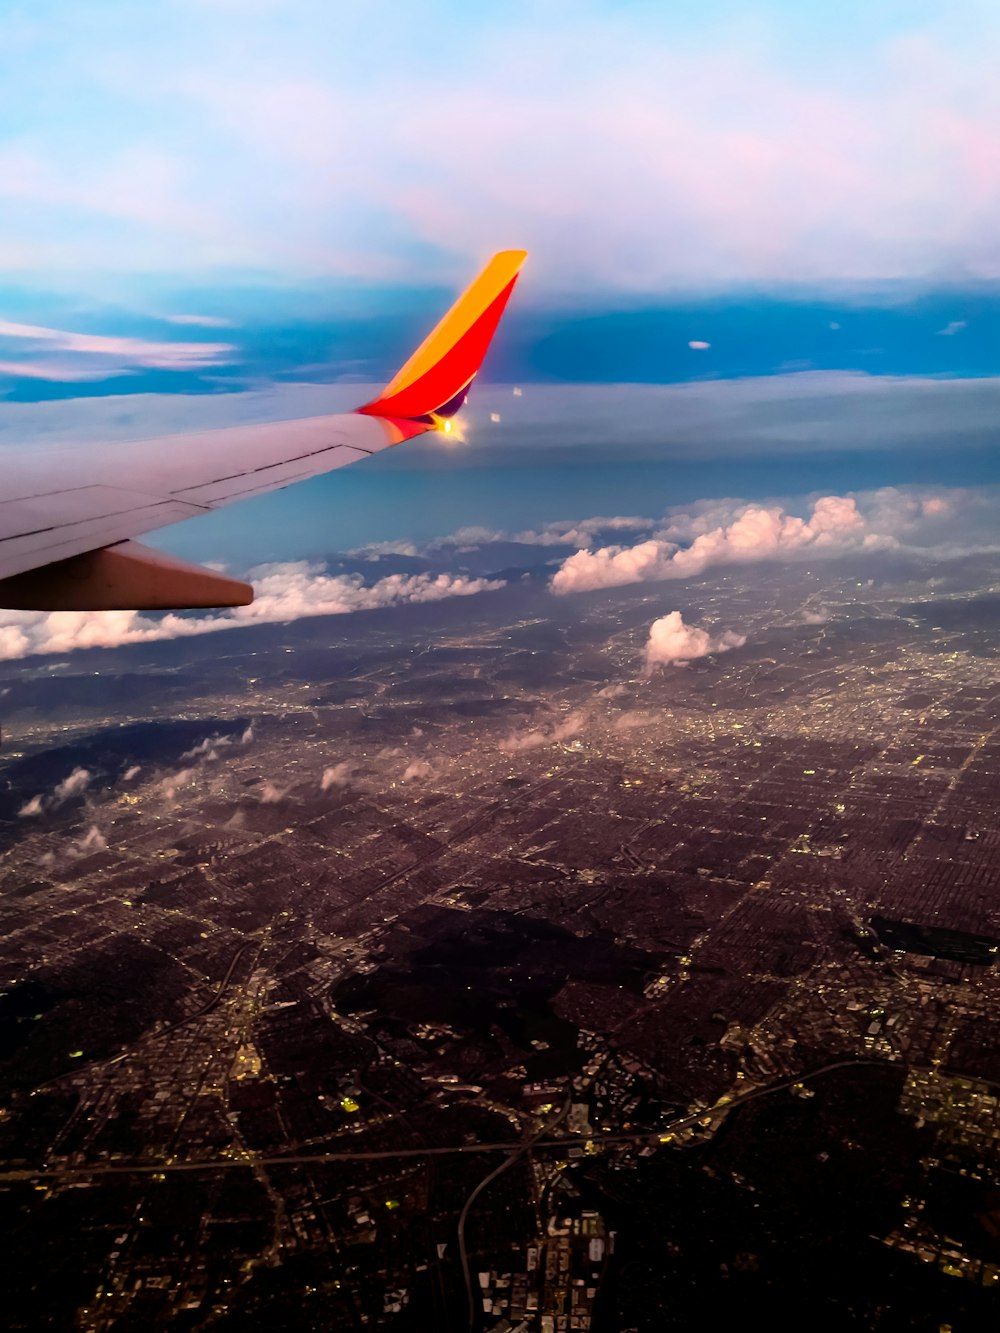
202, 321
697, 346
560, 532
338, 775
630, 721
756, 533
582, 533
132, 772
670, 640
284, 592
797, 414
955, 326
376, 549
418, 770
92, 841
683, 523
531, 740
128, 351
271, 794
57, 371
719, 144
171, 785
207, 749
473, 536
77, 782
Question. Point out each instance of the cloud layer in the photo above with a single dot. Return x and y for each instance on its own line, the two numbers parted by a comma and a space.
284, 592
537, 736
79, 357
683, 543
755, 532
637, 146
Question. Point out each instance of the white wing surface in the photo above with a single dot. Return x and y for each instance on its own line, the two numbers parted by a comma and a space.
67, 520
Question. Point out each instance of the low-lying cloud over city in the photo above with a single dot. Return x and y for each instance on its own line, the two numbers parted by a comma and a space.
284, 592
683, 543
671, 641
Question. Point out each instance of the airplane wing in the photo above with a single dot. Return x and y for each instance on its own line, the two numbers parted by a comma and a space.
67, 521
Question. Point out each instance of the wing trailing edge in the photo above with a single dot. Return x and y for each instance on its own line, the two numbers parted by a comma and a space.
125, 577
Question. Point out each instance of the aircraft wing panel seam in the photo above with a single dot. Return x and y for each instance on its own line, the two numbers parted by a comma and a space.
267, 467
94, 518
129, 488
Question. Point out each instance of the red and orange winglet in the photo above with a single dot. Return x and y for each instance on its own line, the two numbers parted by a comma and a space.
433, 384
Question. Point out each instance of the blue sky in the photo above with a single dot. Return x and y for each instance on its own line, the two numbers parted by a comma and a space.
223, 199
632, 147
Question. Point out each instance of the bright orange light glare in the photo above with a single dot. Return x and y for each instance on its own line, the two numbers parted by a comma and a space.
453, 427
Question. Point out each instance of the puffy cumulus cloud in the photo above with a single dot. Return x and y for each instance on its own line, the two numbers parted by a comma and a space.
613, 566
912, 512
758, 532
131, 772
284, 592
375, 550
418, 770
207, 749
582, 532
74, 785
531, 740
92, 841
337, 775
14, 642
271, 794
475, 535
670, 640
683, 523
169, 786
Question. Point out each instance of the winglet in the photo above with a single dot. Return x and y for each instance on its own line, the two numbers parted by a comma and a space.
433, 384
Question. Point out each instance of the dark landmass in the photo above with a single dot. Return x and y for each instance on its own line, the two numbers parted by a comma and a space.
346, 915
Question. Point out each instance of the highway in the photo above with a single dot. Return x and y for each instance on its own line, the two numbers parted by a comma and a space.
512, 1147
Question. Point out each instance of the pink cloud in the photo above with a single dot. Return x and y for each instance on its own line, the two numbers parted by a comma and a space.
755, 533
670, 640
284, 592
538, 736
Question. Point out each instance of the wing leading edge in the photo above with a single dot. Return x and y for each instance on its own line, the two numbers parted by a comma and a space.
68, 546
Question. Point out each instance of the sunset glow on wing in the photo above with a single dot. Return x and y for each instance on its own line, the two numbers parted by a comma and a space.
433, 384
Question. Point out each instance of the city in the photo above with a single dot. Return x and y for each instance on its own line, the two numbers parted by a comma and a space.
391, 979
